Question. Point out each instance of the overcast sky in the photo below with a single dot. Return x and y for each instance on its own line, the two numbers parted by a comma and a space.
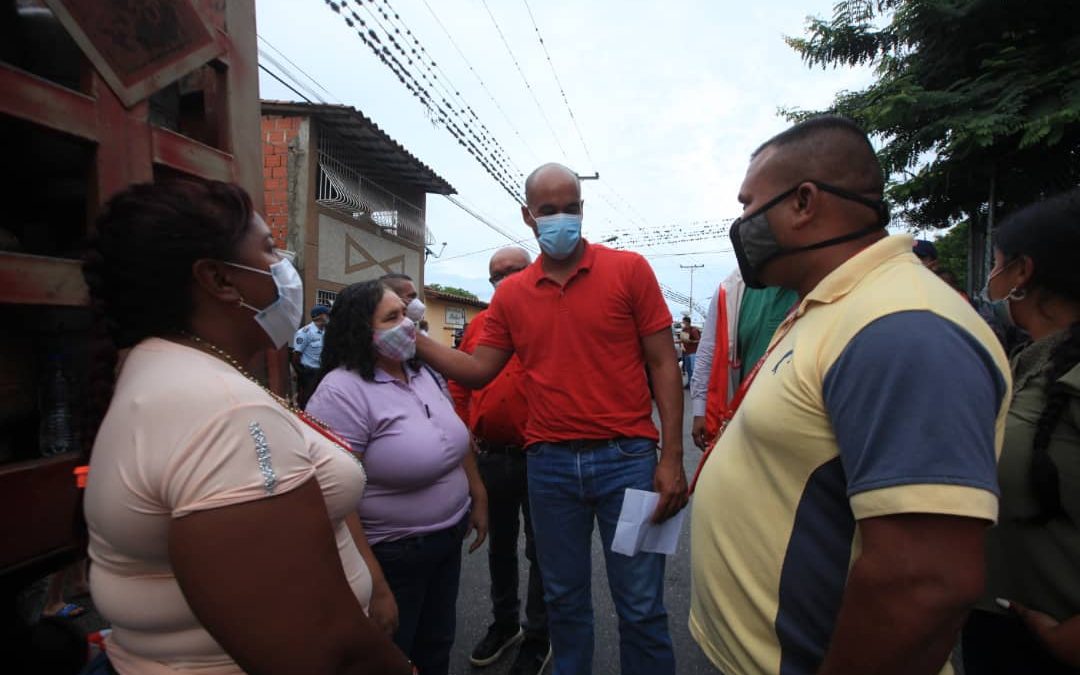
670, 98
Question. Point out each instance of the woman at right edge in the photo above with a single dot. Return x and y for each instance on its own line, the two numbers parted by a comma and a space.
1029, 620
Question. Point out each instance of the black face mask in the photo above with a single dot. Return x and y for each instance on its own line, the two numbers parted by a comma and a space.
755, 245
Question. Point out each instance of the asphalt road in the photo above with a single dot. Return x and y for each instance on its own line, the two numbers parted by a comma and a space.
474, 605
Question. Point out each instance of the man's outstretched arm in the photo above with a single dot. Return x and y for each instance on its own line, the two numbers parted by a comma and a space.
472, 370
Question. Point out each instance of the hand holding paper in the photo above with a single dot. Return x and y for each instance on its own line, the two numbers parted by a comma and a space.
634, 531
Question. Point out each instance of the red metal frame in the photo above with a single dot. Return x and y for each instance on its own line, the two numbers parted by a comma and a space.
38, 498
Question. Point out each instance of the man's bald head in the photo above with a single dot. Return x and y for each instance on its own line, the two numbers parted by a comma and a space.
830, 149
545, 174
511, 255
507, 261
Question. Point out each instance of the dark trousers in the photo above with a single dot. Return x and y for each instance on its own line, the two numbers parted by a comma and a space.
1000, 644
423, 573
508, 494
305, 384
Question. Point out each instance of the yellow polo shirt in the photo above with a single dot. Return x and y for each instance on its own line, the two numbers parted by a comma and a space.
886, 395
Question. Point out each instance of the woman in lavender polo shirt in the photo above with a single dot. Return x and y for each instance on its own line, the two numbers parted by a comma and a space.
424, 493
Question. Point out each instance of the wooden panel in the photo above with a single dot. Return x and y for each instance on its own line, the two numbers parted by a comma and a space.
242, 92
38, 280
45, 500
31, 98
189, 156
139, 50
124, 156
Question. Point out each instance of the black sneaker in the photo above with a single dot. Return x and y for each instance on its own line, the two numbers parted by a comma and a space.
532, 658
497, 641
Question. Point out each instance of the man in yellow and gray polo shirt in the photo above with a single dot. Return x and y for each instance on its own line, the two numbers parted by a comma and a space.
838, 523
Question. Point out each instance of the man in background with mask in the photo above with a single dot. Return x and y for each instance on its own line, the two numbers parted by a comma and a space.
403, 285
590, 434
838, 523
496, 415
307, 351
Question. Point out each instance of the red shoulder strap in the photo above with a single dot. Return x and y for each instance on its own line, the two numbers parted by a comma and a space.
716, 399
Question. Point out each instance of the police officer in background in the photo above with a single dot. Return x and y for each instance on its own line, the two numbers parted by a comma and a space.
306, 352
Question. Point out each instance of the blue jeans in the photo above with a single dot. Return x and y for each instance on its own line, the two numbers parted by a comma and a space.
689, 361
423, 573
570, 484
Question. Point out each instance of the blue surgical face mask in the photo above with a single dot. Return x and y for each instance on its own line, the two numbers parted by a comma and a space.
1001, 306
558, 234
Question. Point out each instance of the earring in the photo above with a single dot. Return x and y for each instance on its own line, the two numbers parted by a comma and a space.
1017, 294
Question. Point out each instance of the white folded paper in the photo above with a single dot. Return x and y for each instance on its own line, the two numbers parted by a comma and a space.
635, 531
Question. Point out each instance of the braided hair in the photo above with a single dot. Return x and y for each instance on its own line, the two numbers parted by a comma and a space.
138, 264
1048, 233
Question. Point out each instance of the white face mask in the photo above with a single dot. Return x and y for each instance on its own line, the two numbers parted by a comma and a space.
415, 310
280, 318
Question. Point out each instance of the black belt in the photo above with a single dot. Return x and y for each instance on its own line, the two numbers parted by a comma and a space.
585, 444
498, 449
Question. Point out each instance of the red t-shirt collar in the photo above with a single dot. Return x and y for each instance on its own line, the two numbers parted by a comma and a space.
536, 270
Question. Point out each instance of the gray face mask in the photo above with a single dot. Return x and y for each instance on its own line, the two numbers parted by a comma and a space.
755, 245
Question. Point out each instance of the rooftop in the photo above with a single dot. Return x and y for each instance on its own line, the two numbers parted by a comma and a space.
454, 297
367, 147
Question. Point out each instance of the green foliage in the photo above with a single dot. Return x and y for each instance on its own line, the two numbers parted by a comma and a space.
952, 251
454, 290
969, 93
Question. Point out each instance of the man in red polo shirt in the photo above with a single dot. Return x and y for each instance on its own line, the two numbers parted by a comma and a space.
590, 434
496, 416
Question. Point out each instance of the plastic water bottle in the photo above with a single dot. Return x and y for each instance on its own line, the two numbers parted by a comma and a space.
57, 432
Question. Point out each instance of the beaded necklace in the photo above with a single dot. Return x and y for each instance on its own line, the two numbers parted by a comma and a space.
321, 427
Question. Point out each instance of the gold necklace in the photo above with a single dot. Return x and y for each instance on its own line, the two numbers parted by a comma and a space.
315, 423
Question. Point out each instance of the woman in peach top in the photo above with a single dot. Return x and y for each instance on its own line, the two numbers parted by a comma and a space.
223, 535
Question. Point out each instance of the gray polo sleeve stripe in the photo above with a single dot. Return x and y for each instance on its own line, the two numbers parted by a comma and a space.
913, 399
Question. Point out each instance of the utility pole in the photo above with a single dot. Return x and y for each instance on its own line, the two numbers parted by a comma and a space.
690, 305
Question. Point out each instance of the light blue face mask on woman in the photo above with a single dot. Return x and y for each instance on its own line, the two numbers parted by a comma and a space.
1000, 307
558, 234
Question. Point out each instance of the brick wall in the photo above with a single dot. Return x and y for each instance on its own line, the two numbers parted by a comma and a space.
278, 133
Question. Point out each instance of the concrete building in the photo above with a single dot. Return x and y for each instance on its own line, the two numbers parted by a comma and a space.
349, 200
448, 313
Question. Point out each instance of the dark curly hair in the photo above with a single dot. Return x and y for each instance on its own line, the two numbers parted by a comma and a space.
1048, 233
347, 342
138, 266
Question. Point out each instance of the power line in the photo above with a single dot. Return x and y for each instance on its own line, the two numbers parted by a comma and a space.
472, 212
371, 40
686, 253
481, 81
468, 108
525, 79
519, 242
287, 85
304, 72
263, 54
573, 118
430, 65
